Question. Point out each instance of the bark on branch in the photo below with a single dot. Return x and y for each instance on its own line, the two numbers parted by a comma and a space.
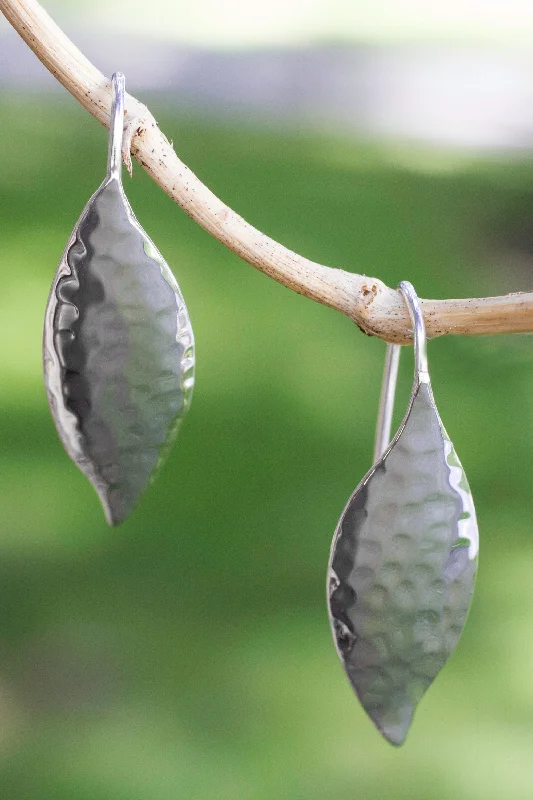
376, 308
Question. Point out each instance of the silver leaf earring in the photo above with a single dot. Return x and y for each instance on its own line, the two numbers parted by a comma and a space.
118, 346
404, 555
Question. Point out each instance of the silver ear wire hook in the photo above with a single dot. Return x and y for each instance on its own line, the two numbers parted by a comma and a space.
116, 128
419, 330
386, 400
390, 372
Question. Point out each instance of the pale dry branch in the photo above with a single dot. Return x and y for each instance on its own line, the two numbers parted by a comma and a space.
375, 308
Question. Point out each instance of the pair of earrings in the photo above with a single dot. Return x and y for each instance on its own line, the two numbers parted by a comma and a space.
119, 371
118, 346
404, 555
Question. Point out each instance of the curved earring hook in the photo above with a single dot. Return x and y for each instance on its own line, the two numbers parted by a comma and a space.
116, 128
419, 330
386, 400
390, 372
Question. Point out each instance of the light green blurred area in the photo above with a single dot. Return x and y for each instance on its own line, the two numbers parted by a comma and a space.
187, 654
232, 23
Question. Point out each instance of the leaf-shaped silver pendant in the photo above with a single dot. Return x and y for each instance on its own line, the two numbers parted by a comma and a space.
118, 345
403, 561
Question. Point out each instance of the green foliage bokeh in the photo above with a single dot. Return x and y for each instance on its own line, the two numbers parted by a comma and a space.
187, 654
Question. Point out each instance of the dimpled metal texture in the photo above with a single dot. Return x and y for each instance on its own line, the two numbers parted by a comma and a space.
118, 351
402, 569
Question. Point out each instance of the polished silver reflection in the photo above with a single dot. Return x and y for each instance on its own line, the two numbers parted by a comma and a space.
118, 344
404, 558
386, 400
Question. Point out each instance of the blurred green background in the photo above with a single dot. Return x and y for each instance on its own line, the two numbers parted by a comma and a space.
187, 654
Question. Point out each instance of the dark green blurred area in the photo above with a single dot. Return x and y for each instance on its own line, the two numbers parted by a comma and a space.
187, 654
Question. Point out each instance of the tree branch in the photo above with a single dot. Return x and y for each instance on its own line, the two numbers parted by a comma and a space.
374, 307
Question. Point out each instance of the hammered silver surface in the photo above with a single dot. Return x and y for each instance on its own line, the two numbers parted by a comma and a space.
118, 352
402, 569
